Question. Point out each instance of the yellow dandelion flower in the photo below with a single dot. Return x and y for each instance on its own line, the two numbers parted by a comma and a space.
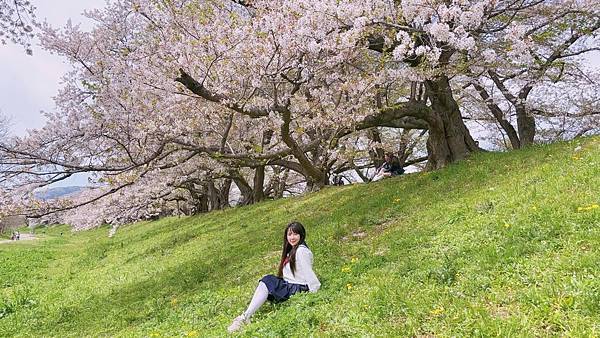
534, 207
397, 200
192, 333
346, 269
349, 286
437, 311
588, 208
506, 225
354, 260
173, 301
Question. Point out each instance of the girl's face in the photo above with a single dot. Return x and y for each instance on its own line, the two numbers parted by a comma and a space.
292, 237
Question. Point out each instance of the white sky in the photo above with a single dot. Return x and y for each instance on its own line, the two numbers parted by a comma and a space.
28, 83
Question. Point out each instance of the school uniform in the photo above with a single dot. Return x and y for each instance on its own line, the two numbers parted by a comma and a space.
302, 280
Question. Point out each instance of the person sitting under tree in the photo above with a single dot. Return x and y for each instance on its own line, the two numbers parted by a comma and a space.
391, 167
295, 275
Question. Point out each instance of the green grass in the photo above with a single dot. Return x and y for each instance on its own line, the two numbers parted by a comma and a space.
501, 244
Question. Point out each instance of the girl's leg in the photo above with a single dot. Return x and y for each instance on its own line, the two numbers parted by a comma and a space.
259, 298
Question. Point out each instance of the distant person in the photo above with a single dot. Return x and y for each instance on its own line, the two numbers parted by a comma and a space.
338, 180
18, 234
295, 275
390, 167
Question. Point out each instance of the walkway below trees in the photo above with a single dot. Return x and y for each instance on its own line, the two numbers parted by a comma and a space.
24, 237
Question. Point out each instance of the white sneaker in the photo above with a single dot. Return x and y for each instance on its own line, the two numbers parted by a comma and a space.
237, 323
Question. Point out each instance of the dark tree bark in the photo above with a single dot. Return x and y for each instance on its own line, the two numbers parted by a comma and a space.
407, 146
199, 199
282, 184
251, 194
315, 176
259, 184
449, 139
377, 154
224, 190
218, 197
278, 182
499, 116
525, 120
244, 187
259, 171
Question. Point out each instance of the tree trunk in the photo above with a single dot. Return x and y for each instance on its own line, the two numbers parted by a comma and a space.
525, 121
224, 193
280, 176
449, 139
526, 126
201, 204
218, 197
251, 194
213, 195
259, 184
499, 116
245, 190
199, 198
315, 177
315, 185
378, 153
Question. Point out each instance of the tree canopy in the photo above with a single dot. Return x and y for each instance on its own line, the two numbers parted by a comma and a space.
176, 101
17, 19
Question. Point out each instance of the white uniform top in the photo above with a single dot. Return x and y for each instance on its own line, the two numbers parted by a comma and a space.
304, 273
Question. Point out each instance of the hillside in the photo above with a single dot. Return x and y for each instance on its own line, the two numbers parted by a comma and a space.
502, 244
57, 192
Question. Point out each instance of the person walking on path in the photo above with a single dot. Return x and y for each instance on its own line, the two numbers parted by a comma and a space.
295, 274
23, 237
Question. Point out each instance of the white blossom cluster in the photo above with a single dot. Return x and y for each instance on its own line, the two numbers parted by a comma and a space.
170, 99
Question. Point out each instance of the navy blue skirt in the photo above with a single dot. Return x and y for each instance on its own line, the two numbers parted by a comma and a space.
280, 290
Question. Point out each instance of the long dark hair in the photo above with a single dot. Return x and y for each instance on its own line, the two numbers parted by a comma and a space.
290, 250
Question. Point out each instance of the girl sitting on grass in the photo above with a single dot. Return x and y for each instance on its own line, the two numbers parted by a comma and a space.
295, 274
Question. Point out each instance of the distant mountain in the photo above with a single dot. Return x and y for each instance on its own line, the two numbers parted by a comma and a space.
58, 192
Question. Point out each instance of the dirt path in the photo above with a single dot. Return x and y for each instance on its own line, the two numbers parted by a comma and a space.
24, 237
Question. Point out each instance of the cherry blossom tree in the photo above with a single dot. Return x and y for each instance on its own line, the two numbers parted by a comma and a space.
4, 127
17, 19
540, 47
179, 101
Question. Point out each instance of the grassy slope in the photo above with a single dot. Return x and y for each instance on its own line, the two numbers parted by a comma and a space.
495, 245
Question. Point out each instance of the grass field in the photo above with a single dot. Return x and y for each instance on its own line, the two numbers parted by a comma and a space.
501, 244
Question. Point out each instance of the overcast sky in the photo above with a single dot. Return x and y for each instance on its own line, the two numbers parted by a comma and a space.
28, 83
